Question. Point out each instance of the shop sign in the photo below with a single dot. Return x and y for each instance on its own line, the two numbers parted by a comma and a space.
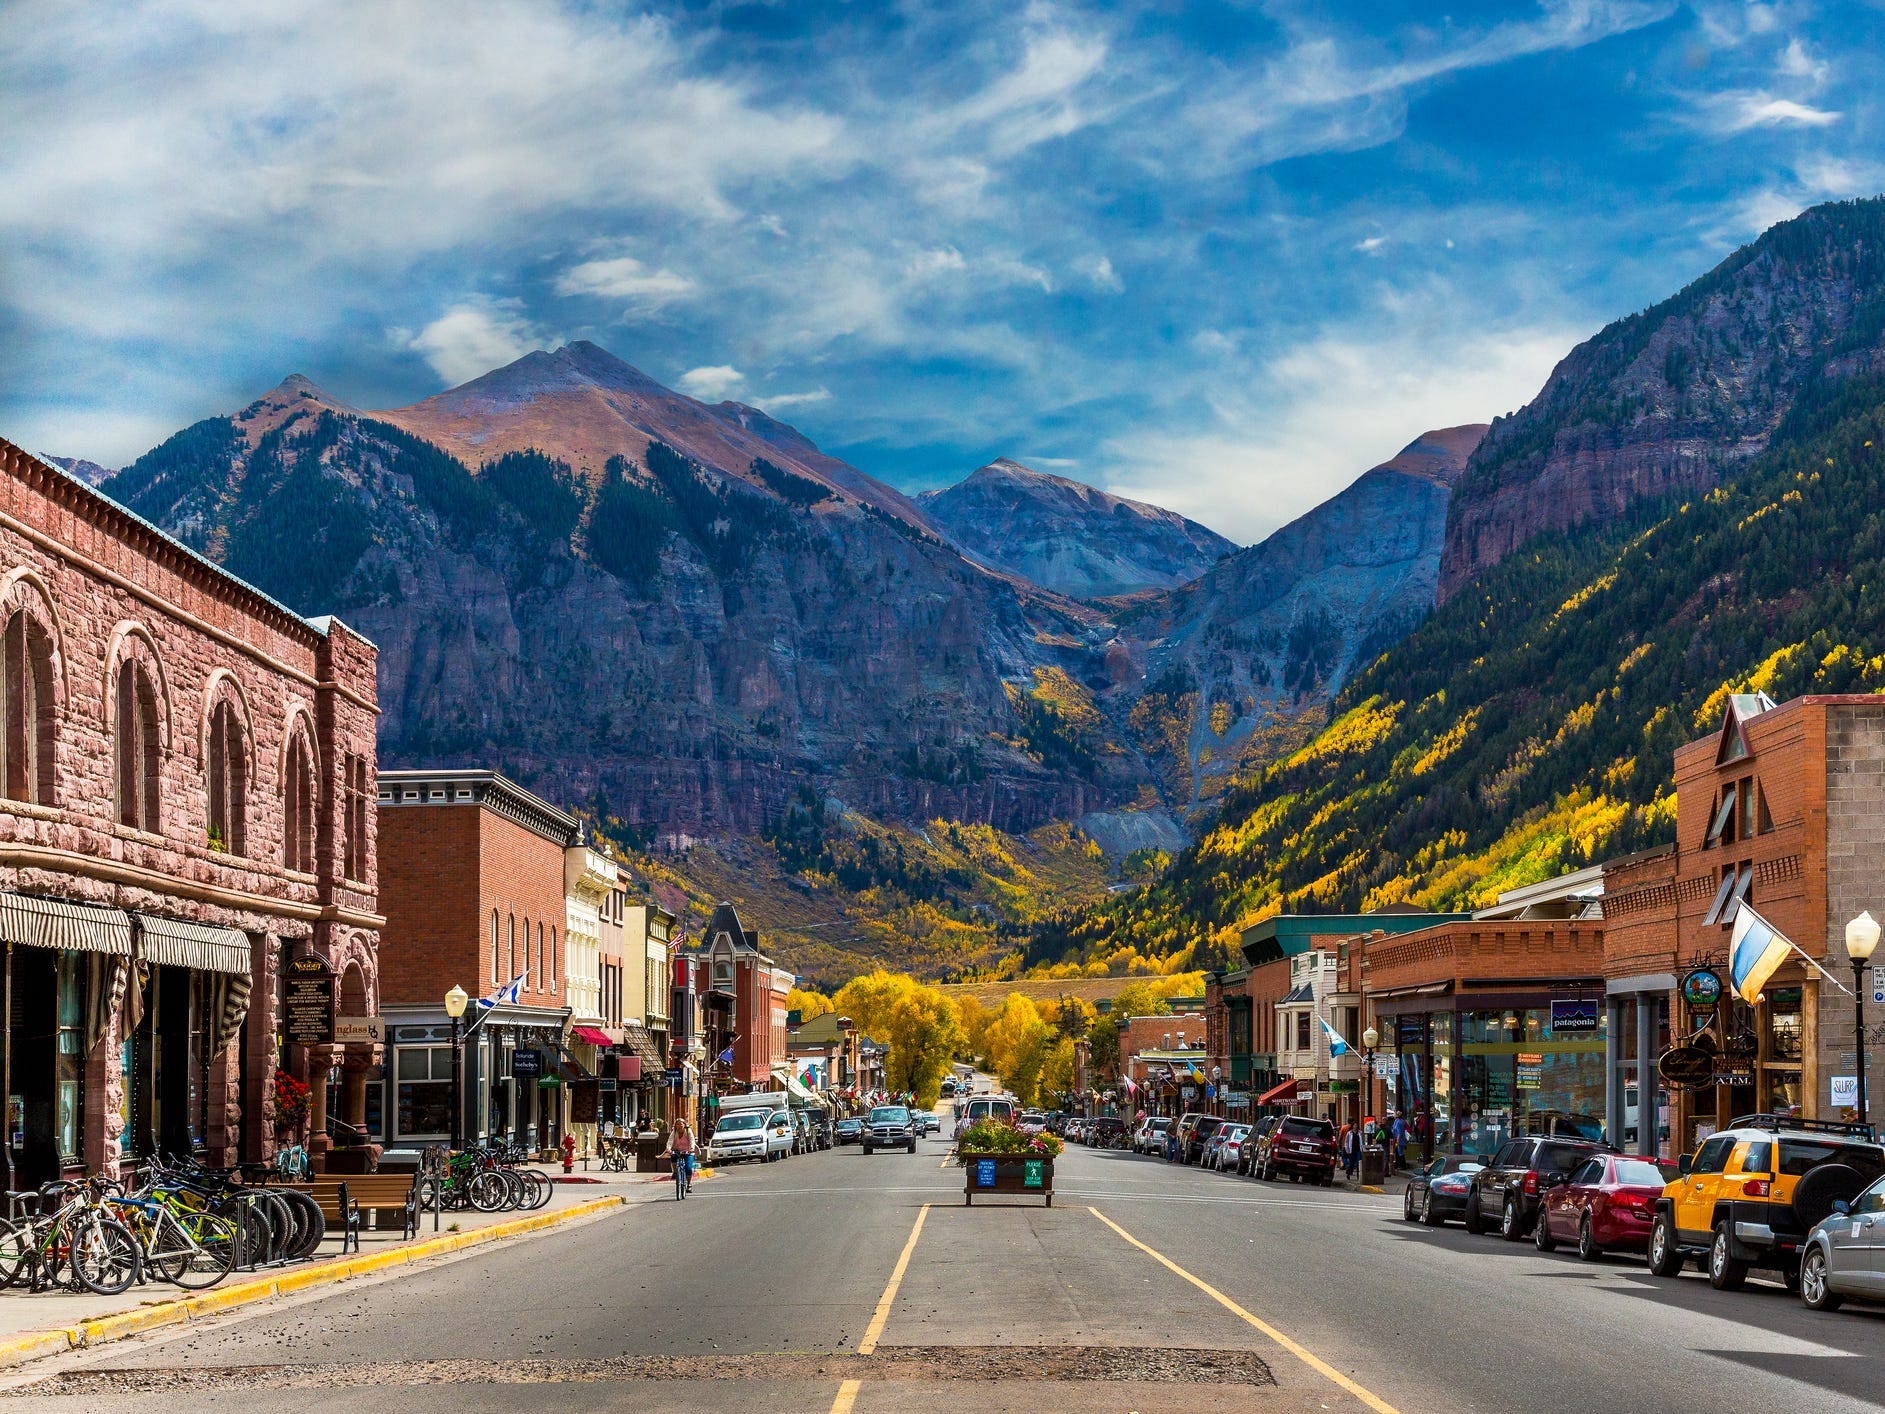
1344, 1087
1305, 1091
526, 1064
1701, 989
585, 1102
673, 1075
1573, 1016
1846, 1092
1529, 1071
308, 1007
1689, 1066
359, 1028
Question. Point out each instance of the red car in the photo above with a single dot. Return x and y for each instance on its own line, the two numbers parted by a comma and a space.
1608, 1202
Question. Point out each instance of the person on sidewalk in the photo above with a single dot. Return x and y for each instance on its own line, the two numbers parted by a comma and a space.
680, 1152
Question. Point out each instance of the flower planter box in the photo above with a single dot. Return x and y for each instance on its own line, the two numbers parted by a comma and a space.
1029, 1175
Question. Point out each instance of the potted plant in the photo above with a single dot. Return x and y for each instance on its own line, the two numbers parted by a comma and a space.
998, 1158
289, 1103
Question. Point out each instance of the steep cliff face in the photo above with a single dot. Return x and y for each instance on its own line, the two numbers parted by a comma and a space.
1069, 537
1672, 399
1256, 646
687, 642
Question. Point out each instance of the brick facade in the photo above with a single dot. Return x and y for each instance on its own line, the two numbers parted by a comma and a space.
99, 589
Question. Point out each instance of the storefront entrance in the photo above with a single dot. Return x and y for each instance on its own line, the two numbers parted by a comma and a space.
45, 1063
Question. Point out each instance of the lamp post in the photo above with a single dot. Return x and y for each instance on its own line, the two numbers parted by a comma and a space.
455, 1008
1861, 939
1369, 1040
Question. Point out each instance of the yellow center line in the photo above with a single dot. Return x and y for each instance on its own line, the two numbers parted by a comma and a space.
874, 1332
1320, 1366
847, 1392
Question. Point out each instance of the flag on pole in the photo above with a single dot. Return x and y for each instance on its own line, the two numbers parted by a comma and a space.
1756, 949
507, 995
1337, 1046
726, 1056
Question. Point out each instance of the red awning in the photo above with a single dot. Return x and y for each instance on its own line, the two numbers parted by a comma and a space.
1277, 1094
589, 1036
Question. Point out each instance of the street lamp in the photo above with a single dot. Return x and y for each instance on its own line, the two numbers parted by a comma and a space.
1369, 1040
455, 1008
1861, 939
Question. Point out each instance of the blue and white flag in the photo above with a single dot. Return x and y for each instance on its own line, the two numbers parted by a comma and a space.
1337, 1046
726, 1056
507, 995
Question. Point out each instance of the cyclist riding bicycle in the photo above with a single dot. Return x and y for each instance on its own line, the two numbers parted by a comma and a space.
680, 1151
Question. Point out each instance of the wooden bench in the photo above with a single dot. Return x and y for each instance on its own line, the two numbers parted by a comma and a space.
344, 1199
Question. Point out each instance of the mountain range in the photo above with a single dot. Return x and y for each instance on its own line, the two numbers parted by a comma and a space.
688, 619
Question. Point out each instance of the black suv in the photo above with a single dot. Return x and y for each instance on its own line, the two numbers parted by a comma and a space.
1511, 1186
1198, 1136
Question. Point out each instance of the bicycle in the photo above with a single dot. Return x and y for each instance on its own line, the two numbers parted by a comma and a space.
79, 1236
683, 1174
190, 1248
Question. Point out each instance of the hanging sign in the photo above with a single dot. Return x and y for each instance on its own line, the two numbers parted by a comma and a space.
1845, 1092
526, 1064
1689, 1066
1701, 989
308, 1006
1575, 1016
359, 1028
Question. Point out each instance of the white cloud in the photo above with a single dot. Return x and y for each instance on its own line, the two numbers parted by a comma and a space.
624, 278
785, 402
1371, 245
1796, 62
1289, 433
1737, 112
1099, 270
473, 338
711, 384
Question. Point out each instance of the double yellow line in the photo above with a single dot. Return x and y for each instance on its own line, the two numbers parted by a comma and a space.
848, 1391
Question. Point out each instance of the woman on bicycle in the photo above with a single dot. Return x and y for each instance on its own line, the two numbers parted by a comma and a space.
681, 1151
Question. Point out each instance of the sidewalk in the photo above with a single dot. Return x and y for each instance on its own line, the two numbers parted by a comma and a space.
32, 1325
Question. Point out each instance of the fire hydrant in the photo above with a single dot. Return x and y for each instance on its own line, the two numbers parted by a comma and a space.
569, 1153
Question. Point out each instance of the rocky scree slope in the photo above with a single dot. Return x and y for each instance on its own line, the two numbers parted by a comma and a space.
1069, 537
1669, 401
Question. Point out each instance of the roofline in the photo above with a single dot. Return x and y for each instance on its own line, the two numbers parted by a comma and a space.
495, 792
166, 542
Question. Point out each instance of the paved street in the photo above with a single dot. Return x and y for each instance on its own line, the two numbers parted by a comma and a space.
760, 1291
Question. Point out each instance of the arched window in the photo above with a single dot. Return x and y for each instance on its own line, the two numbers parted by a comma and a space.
549, 966
26, 667
536, 978
354, 818
228, 779
139, 755
513, 945
297, 797
497, 962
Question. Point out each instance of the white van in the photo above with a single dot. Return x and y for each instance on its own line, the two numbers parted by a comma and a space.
985, 1107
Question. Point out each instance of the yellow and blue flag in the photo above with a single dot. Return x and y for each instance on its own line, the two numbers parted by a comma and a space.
1756, 950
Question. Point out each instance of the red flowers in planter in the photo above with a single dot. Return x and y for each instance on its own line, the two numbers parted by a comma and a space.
290, 1101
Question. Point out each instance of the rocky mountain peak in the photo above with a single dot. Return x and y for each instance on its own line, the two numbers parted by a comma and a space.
1440, 455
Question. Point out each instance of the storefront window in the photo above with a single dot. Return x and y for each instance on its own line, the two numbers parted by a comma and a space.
1783, 1025
1516, 1077
423, 1076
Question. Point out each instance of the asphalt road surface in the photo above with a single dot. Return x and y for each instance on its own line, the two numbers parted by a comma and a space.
837, 1282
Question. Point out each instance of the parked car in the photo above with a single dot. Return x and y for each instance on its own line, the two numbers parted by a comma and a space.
1259, 1130
1511, 1186
1300, 1147
850, 1131
1227, 1147
1564, 1124
781, 1136
1845, 1252
1106, 1133
927, 1121
1608, 1202
890, 1127
737, 1136
1754, 1192
1438, 1192
1193, 1140
1031, 1122
1149, 1136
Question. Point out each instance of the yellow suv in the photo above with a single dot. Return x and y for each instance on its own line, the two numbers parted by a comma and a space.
1751, 1194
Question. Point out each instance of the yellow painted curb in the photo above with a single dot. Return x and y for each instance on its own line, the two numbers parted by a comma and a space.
1370, 1188
31, 1345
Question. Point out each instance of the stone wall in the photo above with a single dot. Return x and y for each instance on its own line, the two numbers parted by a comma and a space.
1855, 881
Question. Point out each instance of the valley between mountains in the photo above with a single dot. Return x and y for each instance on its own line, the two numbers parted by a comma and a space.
1021, 722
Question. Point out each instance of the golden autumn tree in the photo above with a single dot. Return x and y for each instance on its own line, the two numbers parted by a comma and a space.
809, 1004
916, 1024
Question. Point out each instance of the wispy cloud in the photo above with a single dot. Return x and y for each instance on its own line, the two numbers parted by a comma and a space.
623, 278
473, 338
785, 402
711, 384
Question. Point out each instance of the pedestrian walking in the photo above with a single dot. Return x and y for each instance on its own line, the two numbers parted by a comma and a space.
680, 1152
1397, 1133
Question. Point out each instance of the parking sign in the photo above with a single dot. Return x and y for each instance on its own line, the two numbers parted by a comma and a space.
1878, 986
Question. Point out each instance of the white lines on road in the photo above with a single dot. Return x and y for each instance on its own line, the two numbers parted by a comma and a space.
1384, 1211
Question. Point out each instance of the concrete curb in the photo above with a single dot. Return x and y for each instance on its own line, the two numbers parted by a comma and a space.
32, 1345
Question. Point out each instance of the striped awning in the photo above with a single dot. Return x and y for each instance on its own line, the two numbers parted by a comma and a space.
638, 1042
54, 923
165, 942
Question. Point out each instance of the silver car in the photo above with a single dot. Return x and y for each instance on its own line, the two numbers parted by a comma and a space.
1845, 1253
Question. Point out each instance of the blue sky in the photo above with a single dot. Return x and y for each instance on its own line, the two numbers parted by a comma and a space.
1222, 257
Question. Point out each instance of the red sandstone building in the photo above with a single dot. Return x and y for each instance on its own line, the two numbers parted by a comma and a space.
1782, 808
743, 1006
473, 884
188, 772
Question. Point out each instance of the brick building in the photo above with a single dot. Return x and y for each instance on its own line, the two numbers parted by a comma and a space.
187, 769
744, 1000
1164, 1056
473, 884
1781, 808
